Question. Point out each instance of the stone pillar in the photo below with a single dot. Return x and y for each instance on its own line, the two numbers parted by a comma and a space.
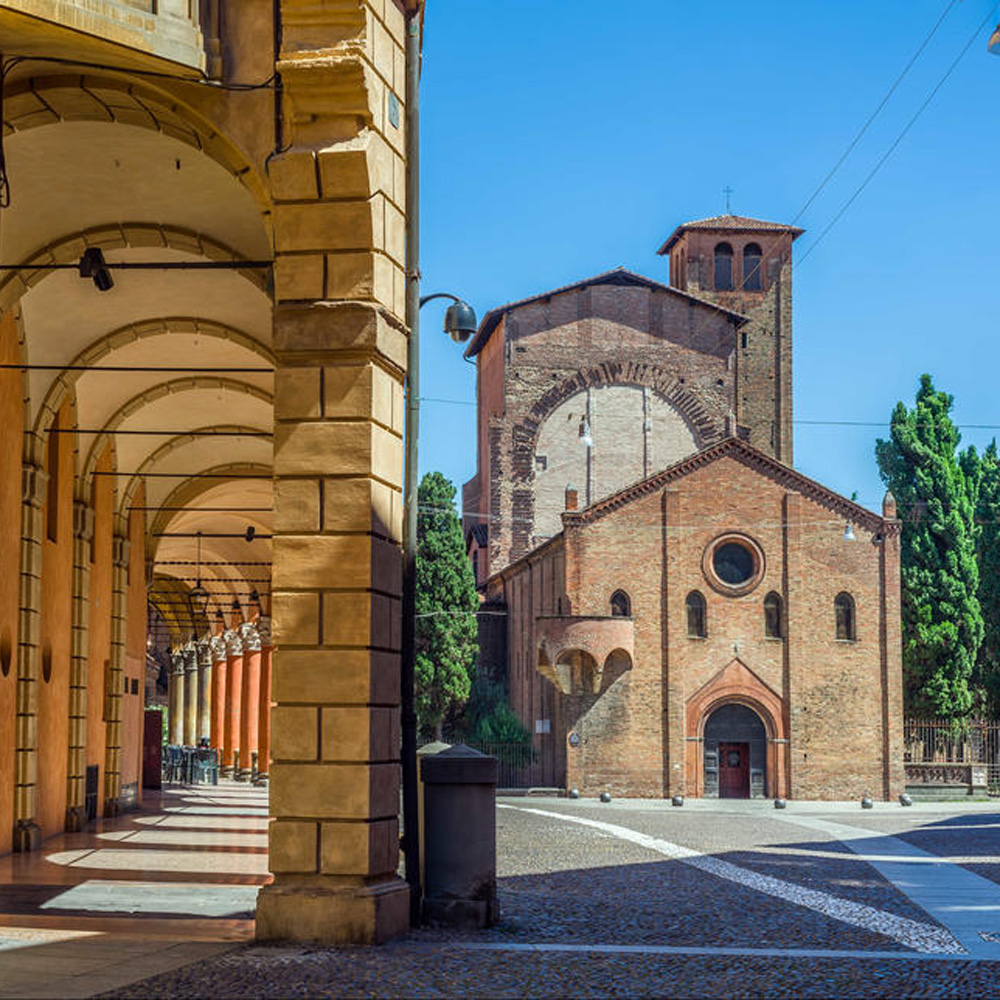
116, 675
340, 348
219, 694
249, 701
27, 835
190, 695
175, 704
76, 765
203, 728
234, 695
264, 724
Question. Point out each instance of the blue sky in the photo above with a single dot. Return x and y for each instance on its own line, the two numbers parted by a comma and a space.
561, 139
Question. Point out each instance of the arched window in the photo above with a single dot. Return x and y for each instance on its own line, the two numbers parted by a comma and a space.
752, 279
621, 606
843, 608
697, 626
772, 616
723, 267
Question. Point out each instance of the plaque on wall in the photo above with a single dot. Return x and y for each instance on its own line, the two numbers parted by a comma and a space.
574, 739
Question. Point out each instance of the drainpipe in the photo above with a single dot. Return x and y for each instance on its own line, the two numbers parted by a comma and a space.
411, 820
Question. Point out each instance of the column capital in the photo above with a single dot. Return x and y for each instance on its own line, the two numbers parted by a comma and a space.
264, 630
234, 647
120, 546
204, 653
34, 479
83, 520
217, 645
250, 637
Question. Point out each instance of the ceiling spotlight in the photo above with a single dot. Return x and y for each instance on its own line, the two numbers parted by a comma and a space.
93, 265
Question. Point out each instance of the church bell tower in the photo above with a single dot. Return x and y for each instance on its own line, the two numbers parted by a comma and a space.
745, 265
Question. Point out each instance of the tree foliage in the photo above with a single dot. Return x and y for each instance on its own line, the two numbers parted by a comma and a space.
446, 602
942, 619
987, 479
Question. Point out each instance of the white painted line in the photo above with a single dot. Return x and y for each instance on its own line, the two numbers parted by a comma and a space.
910, 933
657, 949
966, 903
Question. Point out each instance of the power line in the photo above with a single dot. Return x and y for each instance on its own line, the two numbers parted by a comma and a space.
878, 110
899, 138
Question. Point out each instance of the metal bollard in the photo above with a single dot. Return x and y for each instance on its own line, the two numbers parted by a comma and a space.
460, 841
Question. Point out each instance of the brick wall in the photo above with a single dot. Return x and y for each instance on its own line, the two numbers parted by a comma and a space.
831, 707
534, 374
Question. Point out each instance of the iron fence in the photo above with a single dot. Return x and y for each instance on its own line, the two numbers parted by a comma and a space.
519, 765
951, 749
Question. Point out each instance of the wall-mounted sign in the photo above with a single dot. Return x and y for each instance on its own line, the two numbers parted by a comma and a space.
574, 739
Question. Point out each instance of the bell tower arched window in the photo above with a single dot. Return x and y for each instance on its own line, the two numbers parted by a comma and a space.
723, 267
752, 278
697, 625
621, 606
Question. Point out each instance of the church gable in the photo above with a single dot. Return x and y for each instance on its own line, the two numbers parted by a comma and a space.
639, 307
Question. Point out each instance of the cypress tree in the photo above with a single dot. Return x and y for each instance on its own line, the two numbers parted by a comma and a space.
988, 551
446, 607
942, 619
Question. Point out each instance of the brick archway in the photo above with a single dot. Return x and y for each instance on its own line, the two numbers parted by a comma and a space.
736, 684
524, 434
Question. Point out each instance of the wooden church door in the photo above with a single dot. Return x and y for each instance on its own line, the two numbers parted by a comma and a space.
734, 770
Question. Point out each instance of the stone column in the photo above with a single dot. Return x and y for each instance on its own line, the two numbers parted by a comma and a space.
264, 724
203, 727
340, 348
175, 703
116, 675
76, 765
234, 695
219, 694
249, 700
27, 835
190, 695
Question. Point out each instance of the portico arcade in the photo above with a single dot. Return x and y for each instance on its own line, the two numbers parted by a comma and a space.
247, 376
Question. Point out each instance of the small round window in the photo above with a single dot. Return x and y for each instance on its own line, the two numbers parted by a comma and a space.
733, 563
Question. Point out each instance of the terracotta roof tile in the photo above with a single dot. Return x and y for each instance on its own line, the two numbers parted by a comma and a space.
732, 223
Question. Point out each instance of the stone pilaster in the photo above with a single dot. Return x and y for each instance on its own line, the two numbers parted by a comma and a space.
176, 698
340, 346
249, 701
27, 835
83, 533
203, 729
116, 675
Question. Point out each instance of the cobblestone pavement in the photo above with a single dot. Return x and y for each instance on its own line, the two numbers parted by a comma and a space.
639, 899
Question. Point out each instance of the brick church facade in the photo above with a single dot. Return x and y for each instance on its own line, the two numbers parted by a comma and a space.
676, 610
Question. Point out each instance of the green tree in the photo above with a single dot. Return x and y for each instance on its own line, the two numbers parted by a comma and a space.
987, 674
446, 607
942, 619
